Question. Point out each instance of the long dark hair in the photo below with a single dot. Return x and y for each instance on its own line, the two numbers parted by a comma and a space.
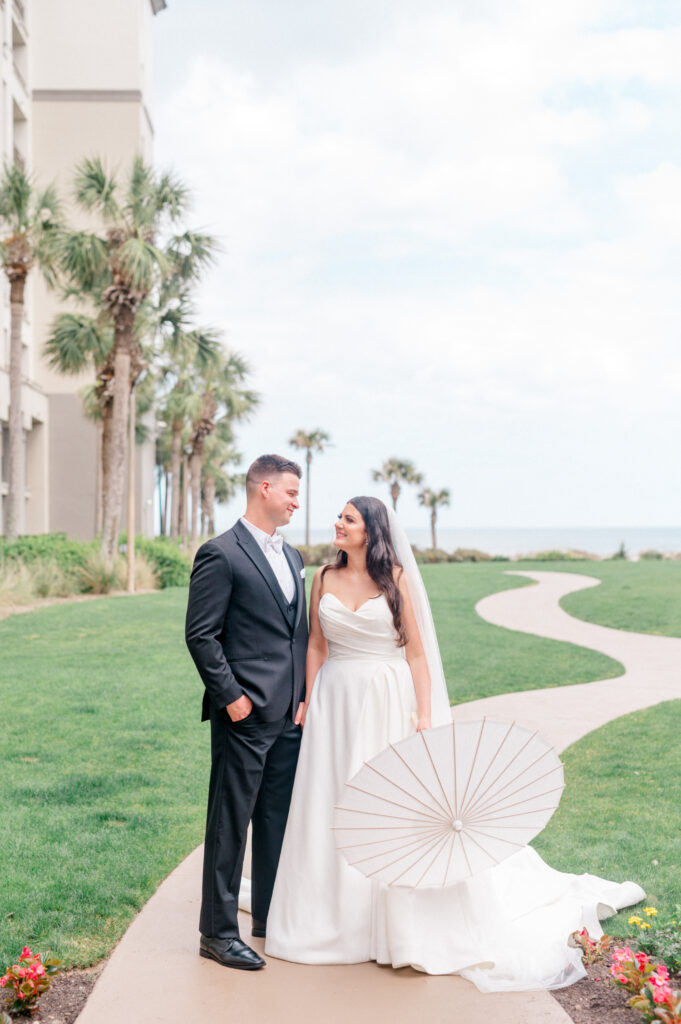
381, 557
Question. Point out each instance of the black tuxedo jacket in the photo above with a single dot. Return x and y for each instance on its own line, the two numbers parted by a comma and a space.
240, 631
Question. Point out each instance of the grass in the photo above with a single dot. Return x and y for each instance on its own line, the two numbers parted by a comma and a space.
641, 596
105, 762
104, 769
481, 660
619, 813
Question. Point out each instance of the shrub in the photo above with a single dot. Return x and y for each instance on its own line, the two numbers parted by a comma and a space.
317, 554
146, 577
560, 555
95, 576
469, 555
16, 585
50, 579
171, 566
651, 554
56, 547
430, 556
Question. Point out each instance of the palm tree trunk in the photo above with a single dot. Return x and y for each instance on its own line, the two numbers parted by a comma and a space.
195, 469
175, 461
105, 475
98, 478
308, 460
394, 494
183, 501
113, 495
16, 476
433, 520
166, 493
209, 503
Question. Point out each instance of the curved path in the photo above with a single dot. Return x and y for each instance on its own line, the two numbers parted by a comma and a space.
566, 713
155, 976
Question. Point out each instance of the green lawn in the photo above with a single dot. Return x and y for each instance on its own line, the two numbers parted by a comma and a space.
104, 769
619, 813
641, 596
105, 761
481, 660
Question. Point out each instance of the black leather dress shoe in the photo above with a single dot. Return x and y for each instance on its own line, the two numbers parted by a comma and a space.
259, 929
231, 953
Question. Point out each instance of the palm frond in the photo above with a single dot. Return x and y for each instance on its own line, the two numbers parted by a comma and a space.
75, 341
172, 196
47, 207
91, 407
95, 189
139, 261
206, 345
15, 197
139, 197
190, 253
85, 260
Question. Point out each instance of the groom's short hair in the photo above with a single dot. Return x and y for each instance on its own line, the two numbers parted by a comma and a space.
269, 465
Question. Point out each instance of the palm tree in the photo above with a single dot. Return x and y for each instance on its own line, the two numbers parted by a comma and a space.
30, 219
222, 397
311, 440
118, 269
395, 472
217, 483
433, 500
184, 356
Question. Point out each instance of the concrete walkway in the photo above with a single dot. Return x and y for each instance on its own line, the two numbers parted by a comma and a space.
566, 713
155, 976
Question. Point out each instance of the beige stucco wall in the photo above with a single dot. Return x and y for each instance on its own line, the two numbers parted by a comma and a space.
72, 468
90, 96
100, 43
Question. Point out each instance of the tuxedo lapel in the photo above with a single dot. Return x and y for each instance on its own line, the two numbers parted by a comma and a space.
250, 546
300, 584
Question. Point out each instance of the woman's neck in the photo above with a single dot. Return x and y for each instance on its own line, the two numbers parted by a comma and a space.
357, 562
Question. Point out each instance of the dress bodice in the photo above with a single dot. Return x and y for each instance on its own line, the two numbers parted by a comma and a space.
367, 633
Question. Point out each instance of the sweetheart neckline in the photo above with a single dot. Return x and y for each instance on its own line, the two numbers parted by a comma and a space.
353, 611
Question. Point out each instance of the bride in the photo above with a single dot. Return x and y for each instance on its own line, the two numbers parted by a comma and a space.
374, 675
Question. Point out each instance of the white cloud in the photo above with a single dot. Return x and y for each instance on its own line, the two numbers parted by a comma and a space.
432, 249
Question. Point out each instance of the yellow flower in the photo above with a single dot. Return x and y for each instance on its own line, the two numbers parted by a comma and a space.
634, 919
650, 911
644, 924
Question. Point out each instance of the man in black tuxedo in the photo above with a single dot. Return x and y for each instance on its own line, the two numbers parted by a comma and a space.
246, 630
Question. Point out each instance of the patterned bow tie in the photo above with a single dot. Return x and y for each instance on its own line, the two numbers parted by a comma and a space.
275, 543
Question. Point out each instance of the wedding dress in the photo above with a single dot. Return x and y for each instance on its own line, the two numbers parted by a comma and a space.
504, 929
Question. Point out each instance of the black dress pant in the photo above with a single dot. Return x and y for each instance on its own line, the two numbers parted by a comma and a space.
252, 772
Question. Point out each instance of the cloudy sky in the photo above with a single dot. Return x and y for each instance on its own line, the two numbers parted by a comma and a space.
451, 233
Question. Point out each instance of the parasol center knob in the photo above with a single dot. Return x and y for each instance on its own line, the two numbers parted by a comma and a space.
457, 825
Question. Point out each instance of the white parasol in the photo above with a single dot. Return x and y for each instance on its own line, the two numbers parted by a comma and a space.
448, 802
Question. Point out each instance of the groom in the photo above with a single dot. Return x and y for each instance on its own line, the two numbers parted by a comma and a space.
246, 630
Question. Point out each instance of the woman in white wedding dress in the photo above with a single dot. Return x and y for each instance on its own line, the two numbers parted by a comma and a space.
374, 676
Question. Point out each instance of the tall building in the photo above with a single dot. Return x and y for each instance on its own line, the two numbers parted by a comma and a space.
76, 81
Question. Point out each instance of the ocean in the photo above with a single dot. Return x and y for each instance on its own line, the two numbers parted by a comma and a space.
516, 541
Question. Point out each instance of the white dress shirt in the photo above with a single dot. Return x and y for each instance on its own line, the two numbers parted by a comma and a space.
271, 547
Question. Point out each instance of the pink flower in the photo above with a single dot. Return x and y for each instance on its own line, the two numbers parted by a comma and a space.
25, 953
662, 993
641, 960
660, 972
